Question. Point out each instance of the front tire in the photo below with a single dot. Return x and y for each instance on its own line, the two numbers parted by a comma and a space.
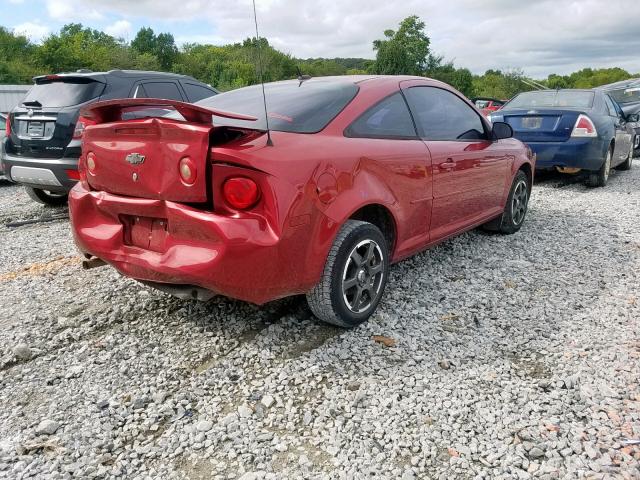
601, 177
516, 208
51, 199
354, 276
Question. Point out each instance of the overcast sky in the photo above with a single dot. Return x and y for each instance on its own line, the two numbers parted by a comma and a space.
539, 36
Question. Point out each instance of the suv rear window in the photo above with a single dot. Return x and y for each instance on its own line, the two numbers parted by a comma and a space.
292, 106
552, 98
63, 92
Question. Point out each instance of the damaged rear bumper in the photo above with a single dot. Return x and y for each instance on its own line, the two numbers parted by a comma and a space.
241, 258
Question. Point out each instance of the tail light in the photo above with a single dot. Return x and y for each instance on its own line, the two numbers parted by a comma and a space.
241, 193
584, 127
90, 163
81, 124
8, 126
188, 171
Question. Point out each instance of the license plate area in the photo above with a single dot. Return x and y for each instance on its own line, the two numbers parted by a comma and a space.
35, 129
145, 232
532, 122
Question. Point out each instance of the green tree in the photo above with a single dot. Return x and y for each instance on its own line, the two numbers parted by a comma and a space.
17, 63
403, 52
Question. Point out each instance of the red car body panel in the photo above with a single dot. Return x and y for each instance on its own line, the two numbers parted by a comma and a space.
160, 230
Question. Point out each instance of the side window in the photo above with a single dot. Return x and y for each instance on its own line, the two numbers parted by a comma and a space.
610, 106
166, 90
441, 115
389, 118
197, 92
619, 112
139, 92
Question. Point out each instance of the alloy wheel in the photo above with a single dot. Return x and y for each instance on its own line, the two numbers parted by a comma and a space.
363, 276
519, 202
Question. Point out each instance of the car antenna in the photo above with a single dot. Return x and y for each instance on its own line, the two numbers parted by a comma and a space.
301, 77
264, 96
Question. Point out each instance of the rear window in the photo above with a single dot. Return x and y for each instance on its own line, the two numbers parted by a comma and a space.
552, 98
63, 92
626, 95
292, 106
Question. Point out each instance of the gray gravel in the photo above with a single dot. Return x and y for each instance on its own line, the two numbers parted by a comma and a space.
514, 357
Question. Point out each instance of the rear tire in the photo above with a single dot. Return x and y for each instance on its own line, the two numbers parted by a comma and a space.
601, 177
516, 208
626, 165
51, 199
354, 276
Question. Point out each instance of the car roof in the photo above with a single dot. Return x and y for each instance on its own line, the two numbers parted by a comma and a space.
632, 82
129, 74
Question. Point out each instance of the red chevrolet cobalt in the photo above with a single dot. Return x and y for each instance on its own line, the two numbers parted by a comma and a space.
357, 173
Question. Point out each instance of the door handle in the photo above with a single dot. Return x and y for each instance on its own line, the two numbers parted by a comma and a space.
448, 164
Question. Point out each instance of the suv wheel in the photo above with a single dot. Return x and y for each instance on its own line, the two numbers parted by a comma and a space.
52, 199
354, 276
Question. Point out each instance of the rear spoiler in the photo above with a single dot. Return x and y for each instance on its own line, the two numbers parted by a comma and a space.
111, 110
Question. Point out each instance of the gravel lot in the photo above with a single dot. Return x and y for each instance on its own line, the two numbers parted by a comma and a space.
514, 357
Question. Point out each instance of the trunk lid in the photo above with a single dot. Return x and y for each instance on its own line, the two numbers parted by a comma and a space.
541, 125
142, 157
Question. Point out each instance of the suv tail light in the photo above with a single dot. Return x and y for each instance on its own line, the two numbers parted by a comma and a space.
8, 125
241, 193
81, 124
584, 127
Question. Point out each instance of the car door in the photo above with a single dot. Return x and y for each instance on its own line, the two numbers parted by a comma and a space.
469, 170
622, 138
388, 148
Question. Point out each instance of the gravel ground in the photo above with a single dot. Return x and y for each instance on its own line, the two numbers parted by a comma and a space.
505, 357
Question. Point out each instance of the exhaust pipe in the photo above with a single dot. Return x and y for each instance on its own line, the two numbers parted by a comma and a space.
95, 262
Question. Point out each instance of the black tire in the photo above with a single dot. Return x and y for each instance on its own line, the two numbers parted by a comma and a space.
51, 199
601, 177
515, 209
626, 165
358, 258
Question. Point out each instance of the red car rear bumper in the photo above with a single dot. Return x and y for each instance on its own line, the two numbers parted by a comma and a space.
167, 242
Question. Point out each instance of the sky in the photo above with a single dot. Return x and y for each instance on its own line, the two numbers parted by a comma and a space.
537, 36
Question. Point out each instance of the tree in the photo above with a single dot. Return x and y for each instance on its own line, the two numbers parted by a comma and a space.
404, 52
162, 46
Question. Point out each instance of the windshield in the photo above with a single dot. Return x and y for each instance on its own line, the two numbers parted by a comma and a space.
63, 92
552, 98
292, 106
626, 95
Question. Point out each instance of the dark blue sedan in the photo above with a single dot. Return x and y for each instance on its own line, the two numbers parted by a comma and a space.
572, 130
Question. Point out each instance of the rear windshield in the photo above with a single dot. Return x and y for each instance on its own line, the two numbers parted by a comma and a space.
626, 95
63, 92
552, 98
292, 106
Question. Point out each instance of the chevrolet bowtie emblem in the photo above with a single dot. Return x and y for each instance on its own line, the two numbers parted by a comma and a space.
135, 158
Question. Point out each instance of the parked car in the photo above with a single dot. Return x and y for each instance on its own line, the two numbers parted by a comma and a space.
356, 173
488, 105
627, 95
43, 146
573, 130
3, 132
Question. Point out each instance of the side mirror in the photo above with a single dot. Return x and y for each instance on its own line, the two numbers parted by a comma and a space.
633, 117
501, 130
